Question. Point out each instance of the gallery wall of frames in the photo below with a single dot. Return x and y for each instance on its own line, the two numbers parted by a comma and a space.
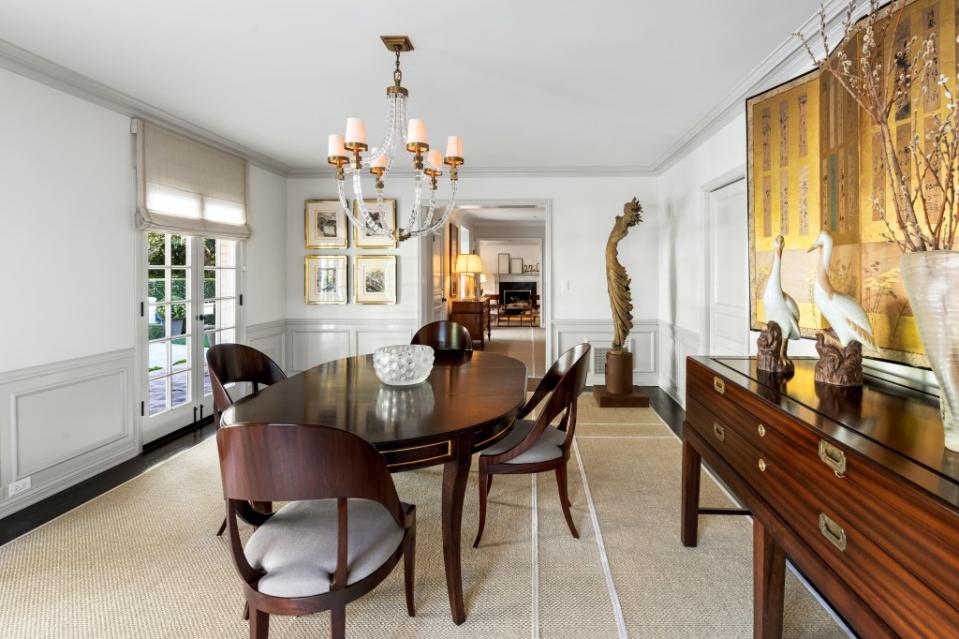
333, 277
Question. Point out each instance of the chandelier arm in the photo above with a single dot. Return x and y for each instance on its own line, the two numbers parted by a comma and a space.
370, 225
438, 224
417, 199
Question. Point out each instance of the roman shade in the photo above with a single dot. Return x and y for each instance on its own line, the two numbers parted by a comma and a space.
188, 187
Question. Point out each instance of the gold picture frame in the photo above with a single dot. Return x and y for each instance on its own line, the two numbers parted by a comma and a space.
325, 224
325, 279
362, 240
374, 279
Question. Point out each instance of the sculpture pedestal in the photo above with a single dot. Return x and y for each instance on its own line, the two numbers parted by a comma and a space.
619, 392
633, 399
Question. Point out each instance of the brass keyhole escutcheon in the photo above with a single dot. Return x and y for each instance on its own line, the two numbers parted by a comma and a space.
762, 465
762, 430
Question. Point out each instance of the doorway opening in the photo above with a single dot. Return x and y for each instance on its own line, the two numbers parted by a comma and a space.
511, 240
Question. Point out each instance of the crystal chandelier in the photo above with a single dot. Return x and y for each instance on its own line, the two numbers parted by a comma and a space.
350, 154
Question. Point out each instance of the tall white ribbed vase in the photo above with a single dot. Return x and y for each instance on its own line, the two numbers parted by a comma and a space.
932, 281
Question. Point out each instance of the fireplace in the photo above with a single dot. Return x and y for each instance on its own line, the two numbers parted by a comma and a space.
516, 297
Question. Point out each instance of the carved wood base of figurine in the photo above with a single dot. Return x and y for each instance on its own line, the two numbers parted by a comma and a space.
772, 351
837, 365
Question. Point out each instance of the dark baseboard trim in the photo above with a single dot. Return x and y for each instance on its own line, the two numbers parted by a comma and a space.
178, 433
157, 451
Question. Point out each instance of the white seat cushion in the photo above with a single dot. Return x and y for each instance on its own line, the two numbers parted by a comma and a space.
547, 447
297, 545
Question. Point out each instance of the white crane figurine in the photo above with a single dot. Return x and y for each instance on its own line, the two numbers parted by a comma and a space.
841, 365
782, 310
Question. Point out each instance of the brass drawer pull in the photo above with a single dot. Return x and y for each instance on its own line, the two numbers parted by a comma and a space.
719, 385
762, 430
833, 532
719, 432
832, 457
762, 465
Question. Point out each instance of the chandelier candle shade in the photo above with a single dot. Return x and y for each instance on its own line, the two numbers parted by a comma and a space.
350, 154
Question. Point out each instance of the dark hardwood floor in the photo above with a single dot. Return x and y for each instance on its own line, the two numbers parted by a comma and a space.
52, 507
31, 517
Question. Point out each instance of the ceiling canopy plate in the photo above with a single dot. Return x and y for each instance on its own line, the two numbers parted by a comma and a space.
396, 43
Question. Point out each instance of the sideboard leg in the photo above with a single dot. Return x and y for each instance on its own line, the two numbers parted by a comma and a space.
689, 518
769, 579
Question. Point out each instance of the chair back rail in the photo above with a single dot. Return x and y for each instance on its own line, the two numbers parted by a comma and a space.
444, 335
563, 383
317, 462
233, 363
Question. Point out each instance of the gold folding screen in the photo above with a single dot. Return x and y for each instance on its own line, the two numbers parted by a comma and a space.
814, 162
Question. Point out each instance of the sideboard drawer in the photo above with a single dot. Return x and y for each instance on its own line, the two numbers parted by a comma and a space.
833, 533
913, 528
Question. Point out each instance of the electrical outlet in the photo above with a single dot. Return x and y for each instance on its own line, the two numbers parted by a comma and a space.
18, 487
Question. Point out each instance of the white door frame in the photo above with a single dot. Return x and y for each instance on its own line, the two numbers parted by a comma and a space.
202, 406
547, 274
724, 180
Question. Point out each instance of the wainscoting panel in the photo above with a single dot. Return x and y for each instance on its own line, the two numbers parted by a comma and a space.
270, 338
677, 344
64, 422
643, 341
312, 342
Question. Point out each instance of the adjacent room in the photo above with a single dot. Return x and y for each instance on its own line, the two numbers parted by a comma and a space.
549, 319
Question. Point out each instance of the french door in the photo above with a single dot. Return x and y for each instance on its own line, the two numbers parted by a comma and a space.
191, 302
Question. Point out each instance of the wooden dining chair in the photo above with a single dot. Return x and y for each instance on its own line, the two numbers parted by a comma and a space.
237, 363
536, 446
340, 535
444, 335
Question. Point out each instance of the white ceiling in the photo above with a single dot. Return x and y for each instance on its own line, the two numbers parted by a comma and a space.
526, 215
543, 85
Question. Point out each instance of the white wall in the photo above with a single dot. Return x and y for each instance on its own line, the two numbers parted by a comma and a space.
530, 251
265, 297
70, 296
67, 242
582, 212
682, 299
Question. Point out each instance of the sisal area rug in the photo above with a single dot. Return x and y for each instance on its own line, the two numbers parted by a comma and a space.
142, 560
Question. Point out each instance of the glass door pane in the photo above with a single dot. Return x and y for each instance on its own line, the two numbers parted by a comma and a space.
169, 330
219, 314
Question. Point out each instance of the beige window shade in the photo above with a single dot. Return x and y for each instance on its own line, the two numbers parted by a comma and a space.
188, 187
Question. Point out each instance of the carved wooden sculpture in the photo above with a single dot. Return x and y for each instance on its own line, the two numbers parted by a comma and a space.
617, 281
838, 365
619, 390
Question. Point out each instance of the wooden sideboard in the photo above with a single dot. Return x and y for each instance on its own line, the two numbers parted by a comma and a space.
475, 316
853, 485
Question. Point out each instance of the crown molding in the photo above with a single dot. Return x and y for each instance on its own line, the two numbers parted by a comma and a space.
44, 71
786, 62
506, 172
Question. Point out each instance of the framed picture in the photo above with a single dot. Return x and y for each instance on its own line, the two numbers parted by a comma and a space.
325, 222
503, 264
375, 279
516, 265
325, 277
386, 217
454, 278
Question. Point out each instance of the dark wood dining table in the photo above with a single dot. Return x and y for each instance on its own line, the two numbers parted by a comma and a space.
465, 405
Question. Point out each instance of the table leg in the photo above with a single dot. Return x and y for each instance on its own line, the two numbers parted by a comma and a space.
692, 467
455, 474
769, 581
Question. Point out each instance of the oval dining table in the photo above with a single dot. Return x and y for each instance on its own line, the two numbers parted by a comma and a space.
465, 405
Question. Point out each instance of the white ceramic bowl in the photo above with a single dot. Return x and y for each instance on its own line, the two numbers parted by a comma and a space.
403, 365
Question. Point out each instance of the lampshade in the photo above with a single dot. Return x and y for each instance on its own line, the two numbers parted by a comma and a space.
468, 263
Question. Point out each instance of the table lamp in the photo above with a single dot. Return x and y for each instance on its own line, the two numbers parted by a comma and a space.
469, 264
